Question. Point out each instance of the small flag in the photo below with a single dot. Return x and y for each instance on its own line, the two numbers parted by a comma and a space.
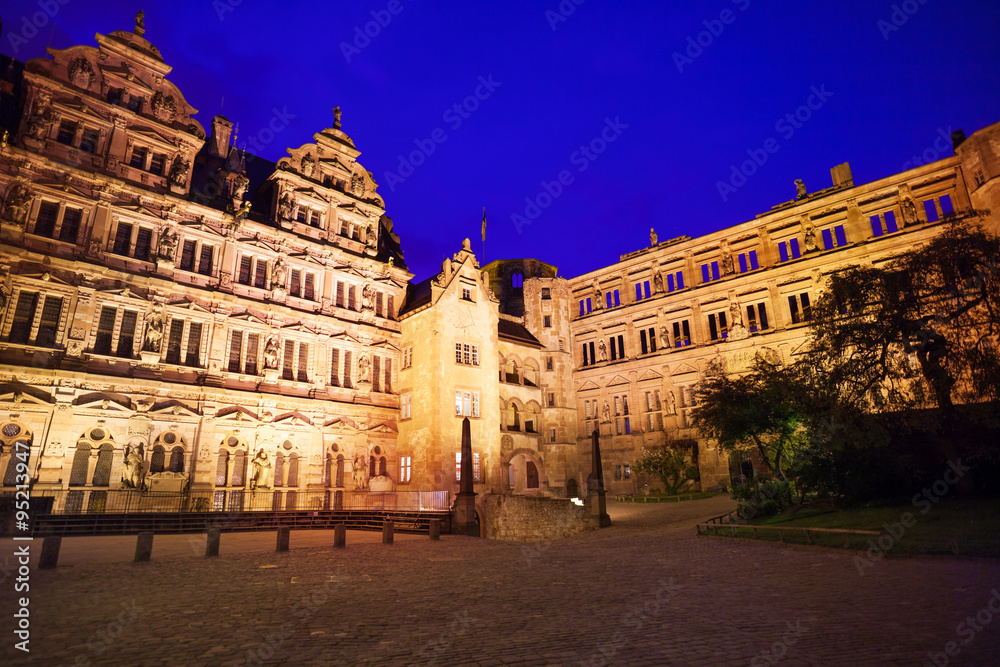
484, 224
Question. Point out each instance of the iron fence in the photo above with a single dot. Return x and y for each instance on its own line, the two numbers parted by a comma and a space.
120, 501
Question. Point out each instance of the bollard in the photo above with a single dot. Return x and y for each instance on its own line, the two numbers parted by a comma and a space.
340, 536
143, 547
50, 552
212, 544
387, 532
283, 537
435, 531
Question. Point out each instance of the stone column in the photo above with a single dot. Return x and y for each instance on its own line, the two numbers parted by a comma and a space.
464, 522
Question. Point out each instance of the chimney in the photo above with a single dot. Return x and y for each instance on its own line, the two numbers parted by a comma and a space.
841, 175
222, 130
957, 139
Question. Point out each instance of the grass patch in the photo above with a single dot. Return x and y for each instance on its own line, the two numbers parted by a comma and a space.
973, 525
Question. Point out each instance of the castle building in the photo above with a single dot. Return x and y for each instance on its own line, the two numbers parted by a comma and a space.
180, 316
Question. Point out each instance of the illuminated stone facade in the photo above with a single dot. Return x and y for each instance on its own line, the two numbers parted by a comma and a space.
176, 314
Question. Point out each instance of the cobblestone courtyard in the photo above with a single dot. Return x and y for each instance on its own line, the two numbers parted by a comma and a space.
644, 592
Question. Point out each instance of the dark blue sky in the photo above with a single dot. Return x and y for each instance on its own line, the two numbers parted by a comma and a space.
681, 121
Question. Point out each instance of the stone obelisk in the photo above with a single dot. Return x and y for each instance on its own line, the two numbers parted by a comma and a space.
598, 503
464, 517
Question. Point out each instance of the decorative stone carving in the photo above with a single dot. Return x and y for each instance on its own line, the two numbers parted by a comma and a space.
278, 274
671, 403
40, 118
164, 107
769, 355
132, 469
308, 165
364, 368
4, 300
657, 279
371, 240
800, 189
285, 207
368, 297
167, 245
809, 236
359, 473
652, 237
240, 185
54, 448
179, 172
18, 203
154, 329
598, 296
506, 444
606, 413
727, 262
74, 348
166, 481
602, 350
906, 206
260, 471
358, 185
271, 353
737, 331
81, 74
664, 336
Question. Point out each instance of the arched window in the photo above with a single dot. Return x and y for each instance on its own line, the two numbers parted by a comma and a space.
517, 280
514, 419
177, 459
239, 468
531, 472
340, 470
327, 476
279, 470
571, 488
15, 446
102, 471
78, 476
382, 469
222, 469
293, 469
156, 461
371, 466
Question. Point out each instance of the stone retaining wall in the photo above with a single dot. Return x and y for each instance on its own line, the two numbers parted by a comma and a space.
533, 519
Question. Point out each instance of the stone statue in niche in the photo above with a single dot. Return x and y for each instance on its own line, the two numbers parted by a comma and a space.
671, 403
240, 185
271, 353
19, 203
800, 189
179, 172
308, 165
285, 207
606, 413
735, 313
154, 329
368, 297
598, 295
4, 300
364, 368
602, 350
652, 238
260, 473
359, 473
809, 237
727, 262
371, 240
657, 279
907, 207
278, 274
132, 468
167, 244
664, 336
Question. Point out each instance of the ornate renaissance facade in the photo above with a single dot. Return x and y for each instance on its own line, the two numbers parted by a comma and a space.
179, 315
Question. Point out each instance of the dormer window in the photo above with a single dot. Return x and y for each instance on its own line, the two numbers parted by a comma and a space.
114, 96
314, 218
138, 159
67, 132
156, 164
134, 103
88, 144
302, 215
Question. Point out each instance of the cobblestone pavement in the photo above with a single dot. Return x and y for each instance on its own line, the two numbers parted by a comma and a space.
644, 592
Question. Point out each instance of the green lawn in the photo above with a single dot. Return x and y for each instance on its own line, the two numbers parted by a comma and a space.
973, 526
665, 498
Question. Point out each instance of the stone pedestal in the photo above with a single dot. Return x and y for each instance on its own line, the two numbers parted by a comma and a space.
149, 358
271, 375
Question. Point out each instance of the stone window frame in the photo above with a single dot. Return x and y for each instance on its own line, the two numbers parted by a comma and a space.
44, 289
137, 224
180, 443
188, 317
246, 328
717, 319
296, 365
468, 351
196, 256
9, 451
405, 469
255, 259
57, 228
121, 303
474, 403
405, 406
305, 270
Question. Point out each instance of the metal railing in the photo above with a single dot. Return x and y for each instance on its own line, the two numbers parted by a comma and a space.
117, 501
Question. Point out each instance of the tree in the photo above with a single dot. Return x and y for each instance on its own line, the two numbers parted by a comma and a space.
671, 465
919, 332
766, 410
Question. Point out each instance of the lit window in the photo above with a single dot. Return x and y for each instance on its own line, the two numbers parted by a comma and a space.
405, 406
466, 403
405, 469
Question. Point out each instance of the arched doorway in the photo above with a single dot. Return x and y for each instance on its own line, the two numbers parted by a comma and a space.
526, 473
571, 488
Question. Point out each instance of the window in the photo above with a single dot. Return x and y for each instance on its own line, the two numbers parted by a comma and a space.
387, 386
407, 357
36, 319
517, 281
675, 281
552, 435
334, 367
546, 293
748, 261
884, 223
717, 328
834, 237
405, 404
205, 259
347, 369
88, 144
340, 295
252, 272
116, 329
617, 347
138, 159
799, 308
244, 352
376, 373
682, 334
466, 354
585, 306
352, 303
466, 293
301, 214
132, 241
134, 103
184, 342
476, 469
789, 250
588, 354
389, 306
548, 363
295, 362
67, 132
156, 164
642, 290
647, 340
946, 206
187, 256
547, 321
929, 207
709, 272
757, 317
405, 469
45, 223
612, 299
466, 403
70, 228
552, 400
314, 218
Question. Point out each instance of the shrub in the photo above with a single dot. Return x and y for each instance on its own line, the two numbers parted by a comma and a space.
759, 498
